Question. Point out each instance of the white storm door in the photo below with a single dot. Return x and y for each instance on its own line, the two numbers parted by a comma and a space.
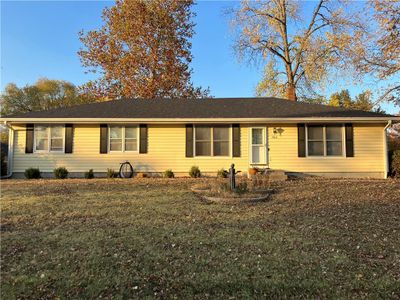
258, 146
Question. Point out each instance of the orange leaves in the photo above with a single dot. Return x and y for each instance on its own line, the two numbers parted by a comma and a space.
143, 50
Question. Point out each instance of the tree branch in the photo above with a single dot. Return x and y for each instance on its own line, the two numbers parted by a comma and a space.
308, 33
262, 13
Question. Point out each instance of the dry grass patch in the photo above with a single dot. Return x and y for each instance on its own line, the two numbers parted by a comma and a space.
139, 238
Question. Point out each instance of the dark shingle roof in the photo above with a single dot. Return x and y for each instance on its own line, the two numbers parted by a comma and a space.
199, 108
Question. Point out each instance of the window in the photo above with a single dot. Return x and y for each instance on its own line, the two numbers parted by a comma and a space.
334, 145
123, 138
221, 141
131, 138
49, 138
212, 141
116, 138
203, 141
325, 140
56, 138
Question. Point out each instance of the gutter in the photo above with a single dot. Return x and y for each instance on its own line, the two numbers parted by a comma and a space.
10, 154
385, 149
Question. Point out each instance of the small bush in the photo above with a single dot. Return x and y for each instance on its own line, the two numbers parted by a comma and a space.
194, 172
89, 174
111, 173
169, 174
61, 173
32, 173
395, 164
221, 173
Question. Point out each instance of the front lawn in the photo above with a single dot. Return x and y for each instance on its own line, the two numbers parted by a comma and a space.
135, 238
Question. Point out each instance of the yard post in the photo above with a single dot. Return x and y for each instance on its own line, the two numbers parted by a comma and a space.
232, 174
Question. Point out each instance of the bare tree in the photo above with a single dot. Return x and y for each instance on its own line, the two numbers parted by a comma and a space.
377, 52
298, 53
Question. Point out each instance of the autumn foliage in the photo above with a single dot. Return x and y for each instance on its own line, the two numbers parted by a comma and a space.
143, 50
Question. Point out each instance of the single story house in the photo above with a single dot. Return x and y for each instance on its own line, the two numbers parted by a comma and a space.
159, 134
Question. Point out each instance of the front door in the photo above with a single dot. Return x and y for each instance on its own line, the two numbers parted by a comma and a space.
258, 146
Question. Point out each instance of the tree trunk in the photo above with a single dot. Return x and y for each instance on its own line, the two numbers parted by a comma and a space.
291, 92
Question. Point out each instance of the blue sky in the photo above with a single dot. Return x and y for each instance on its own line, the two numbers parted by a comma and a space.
40, 39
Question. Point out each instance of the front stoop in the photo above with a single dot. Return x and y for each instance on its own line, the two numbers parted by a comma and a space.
276, 175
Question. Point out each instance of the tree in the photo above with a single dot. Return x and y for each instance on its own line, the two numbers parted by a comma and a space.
362, 101
377, 51
299, 55
142, 51
43, 95
342, 99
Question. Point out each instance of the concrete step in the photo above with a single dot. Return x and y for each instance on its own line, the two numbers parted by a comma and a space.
275, 175
274, 172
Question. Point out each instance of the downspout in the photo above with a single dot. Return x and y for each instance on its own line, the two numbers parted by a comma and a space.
385, 149
10, 154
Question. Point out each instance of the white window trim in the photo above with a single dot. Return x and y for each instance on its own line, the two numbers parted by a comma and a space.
265, 136
123, 139
48, 128
212, 142
342, 126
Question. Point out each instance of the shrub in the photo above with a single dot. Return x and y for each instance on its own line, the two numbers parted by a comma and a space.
221, 173
194, 172
169, 174
32, 173
111, 173
61, 173
89, 174
395, 164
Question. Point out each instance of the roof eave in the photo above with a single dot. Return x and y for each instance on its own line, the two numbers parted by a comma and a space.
199, 120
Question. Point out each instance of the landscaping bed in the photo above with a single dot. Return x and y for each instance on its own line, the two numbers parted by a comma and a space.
153, 238
248, 190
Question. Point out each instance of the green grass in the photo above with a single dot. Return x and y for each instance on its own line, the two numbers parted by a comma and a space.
153, 238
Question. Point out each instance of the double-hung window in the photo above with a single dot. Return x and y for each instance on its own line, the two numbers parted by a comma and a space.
123, 138
49, 138
212, 141
325, 140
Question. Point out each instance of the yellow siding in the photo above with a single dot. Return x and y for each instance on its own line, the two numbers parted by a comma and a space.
368, 152
166, 150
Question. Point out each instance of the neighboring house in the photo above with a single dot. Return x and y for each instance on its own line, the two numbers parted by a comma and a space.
159, 134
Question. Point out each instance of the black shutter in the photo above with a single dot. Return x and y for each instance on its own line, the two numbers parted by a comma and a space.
29, 138
189, 140
68, 138
301, 140
103, 138
349, 140
143, 138
236, 140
